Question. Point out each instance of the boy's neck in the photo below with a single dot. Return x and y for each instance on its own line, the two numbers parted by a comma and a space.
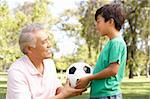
114, 33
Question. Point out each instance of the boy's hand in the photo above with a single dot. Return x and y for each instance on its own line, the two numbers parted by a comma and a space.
83, 82
68, 91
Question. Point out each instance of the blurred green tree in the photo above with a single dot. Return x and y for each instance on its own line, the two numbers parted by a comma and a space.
11, 21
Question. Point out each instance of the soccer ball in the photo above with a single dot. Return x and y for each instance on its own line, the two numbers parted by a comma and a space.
77, 71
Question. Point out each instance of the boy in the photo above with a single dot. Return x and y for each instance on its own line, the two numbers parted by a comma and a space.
110, 66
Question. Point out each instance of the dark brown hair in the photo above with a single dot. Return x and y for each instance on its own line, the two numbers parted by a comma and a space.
113, 11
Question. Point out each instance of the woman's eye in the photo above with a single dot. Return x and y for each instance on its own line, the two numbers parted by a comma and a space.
43, 42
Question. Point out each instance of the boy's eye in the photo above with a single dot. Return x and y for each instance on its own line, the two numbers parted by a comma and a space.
98, 21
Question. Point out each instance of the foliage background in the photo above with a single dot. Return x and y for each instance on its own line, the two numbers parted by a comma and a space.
136, 32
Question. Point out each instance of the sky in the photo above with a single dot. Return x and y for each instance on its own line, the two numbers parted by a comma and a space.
65, 44
58, 5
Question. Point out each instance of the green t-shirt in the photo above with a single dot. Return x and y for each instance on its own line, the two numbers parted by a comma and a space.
114, 51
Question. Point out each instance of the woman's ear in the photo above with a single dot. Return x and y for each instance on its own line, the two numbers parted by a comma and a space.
27, 50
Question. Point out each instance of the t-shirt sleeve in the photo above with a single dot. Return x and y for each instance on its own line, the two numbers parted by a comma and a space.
16, 86
115, 52
58, 83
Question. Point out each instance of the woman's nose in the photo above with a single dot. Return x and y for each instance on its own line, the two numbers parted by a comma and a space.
48, 44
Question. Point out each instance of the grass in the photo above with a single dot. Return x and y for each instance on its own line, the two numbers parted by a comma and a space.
137, 88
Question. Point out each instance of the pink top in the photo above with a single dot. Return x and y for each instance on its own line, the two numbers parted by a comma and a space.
26, 82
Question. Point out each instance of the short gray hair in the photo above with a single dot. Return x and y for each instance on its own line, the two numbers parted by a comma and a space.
27, 37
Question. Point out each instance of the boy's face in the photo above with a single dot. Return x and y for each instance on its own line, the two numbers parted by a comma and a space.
101, 25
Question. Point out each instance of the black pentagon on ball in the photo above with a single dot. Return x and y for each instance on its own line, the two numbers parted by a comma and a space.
87, 69
72, 70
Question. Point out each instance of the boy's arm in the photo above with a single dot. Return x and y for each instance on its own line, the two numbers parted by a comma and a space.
111, 70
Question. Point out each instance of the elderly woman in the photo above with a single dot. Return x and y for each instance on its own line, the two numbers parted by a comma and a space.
34, 75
